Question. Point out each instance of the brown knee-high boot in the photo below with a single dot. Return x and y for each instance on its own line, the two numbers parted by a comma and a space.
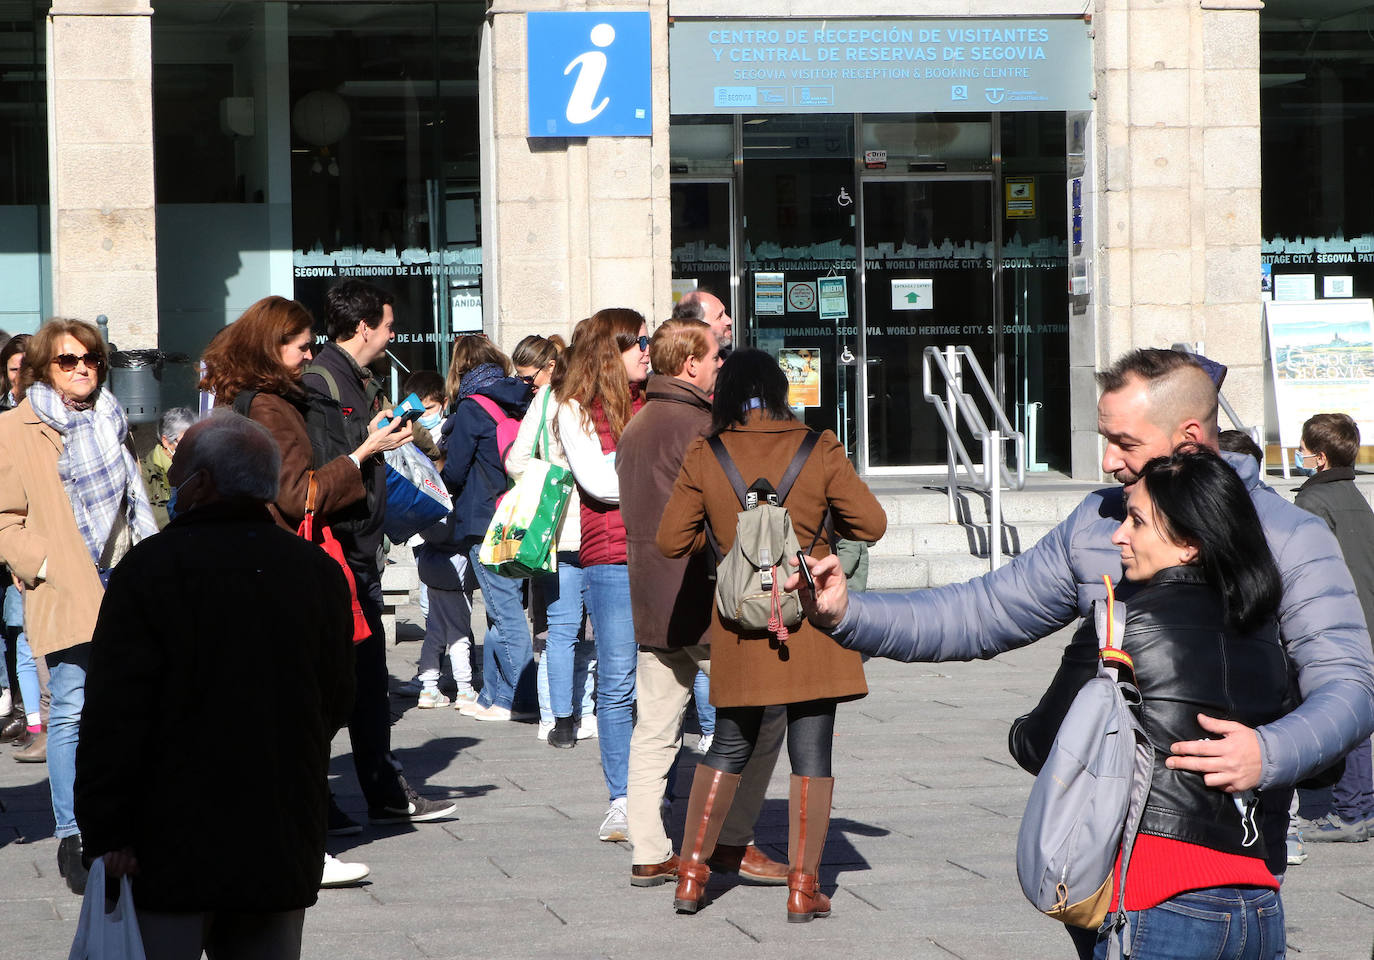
712, 794
809, 816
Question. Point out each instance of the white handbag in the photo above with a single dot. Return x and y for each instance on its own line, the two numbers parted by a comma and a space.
107, 936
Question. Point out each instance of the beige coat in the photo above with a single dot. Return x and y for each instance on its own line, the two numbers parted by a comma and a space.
755, 670
37, 524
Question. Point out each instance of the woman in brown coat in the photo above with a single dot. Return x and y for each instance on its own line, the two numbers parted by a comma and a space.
750, 672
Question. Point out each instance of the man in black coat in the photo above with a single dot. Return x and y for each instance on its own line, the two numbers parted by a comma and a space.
222, 615
1330, 443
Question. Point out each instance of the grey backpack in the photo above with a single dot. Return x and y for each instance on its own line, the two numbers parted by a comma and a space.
1087, 800
750, 576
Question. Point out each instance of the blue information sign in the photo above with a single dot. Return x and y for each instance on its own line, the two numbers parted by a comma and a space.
590, 74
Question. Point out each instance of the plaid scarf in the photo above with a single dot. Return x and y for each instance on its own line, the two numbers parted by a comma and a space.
99, 473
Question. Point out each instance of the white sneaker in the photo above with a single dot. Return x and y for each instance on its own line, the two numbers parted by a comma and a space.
466, 696
616, 826
6, 702
492, 712
545, 726
704, 744
586, 727
430, 697
340, 874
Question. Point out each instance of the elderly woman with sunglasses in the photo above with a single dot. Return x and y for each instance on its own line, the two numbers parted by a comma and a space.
72, 503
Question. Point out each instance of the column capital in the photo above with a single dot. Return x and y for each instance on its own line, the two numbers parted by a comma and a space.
101, 8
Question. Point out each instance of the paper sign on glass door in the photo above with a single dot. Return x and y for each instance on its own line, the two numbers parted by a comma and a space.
913, 294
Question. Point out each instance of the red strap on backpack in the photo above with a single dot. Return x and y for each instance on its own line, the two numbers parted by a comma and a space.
330, 545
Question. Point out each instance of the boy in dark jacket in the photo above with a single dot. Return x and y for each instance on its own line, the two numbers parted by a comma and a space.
1330, 443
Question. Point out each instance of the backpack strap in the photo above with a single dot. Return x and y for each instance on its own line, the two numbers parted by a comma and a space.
731, 471
244, 401
794, 468
492, 408
330, 383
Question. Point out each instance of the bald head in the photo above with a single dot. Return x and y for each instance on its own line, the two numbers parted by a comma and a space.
1152, 401
700, 305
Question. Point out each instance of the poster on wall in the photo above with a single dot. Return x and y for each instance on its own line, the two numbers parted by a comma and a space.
683, 286
833, 296
801, 297
1295, 286
768, 295
1321, 357
803, 368
1020, 200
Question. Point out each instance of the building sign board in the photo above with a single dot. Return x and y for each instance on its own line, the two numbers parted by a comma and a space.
1321, 356
878, 66
590, 74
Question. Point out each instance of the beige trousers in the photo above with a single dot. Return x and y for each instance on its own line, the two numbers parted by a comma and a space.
663, 685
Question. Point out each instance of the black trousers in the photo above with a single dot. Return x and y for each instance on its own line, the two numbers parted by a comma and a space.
810, 737
369, 729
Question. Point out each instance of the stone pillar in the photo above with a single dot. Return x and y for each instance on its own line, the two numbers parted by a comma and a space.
100, 160
570, 225
1178, 185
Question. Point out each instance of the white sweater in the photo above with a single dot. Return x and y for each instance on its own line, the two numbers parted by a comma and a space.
593, 470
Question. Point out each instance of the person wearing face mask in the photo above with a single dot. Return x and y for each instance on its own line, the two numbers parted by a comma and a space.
72, 503
156, 462
428, 386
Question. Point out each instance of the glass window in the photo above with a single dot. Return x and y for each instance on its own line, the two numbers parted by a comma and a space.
297, 144
1317, 145
25, 259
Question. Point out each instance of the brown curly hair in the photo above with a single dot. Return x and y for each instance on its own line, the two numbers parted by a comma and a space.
246, 355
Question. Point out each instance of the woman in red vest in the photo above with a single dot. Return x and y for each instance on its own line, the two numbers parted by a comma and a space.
607, 365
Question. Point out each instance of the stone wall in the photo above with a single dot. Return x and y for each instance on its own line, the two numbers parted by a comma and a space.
100, 145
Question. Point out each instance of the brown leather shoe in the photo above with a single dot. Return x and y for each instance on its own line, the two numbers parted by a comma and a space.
653, 874
14, 726
36, 751
749, 862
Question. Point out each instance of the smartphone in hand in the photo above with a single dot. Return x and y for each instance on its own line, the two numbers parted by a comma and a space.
806, 571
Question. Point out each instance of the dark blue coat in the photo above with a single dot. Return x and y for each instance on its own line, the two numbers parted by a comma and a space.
473, 471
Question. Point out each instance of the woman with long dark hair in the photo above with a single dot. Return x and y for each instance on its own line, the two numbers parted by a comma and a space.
599, 392
752, 671
1201, 631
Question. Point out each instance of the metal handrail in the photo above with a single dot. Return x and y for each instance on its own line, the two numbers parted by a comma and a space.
956, 403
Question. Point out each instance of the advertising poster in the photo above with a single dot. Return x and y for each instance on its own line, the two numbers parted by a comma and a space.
768, 295
1321, 355
801, 297
683, 286
833, 294
803, 368
1295, 286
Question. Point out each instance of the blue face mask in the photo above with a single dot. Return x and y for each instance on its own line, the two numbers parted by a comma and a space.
172, 504
430, 421
1298, 466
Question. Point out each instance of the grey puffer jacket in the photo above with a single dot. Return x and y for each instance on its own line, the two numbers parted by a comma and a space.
1055, 582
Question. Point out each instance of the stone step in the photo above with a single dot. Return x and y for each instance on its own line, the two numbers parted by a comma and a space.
934, 570
1018, 506
921, 539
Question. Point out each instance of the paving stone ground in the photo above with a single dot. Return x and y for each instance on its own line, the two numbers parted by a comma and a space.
920, 860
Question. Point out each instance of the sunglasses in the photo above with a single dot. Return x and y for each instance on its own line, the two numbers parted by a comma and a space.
644, 343
67, 362
529, 378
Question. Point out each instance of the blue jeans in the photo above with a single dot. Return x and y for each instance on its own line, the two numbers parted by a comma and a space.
562, 594
1228, 923
608, 603
1353, 794
583, 679
507, 650
701, 695
67, 686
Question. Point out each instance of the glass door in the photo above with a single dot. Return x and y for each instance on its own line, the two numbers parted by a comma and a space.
928, 271
797, 281
703, 223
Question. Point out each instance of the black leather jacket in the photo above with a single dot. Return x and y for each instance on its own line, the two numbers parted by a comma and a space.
1187, 661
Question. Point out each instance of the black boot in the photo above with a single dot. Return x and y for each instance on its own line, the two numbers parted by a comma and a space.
70, 863
564, 733
13, 724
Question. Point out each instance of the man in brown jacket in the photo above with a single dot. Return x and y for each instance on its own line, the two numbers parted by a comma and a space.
672, 601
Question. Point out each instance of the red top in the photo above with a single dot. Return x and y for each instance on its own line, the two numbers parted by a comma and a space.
603, 532
1162, 868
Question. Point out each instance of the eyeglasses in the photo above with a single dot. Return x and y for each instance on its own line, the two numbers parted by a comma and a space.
529, 378
67, 362
644, 343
